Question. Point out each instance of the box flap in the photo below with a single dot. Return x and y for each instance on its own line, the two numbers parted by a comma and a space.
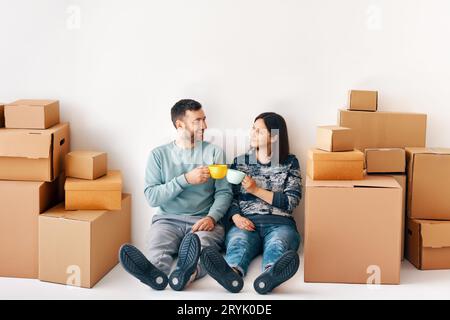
319, 155
370, 181
85, 154
32, 102
58, 212
112, 181
34, 144
435, 234
437, 151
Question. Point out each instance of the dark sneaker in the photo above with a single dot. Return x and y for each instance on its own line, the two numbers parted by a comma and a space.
284, 269
218, 268
136, 264
188, 256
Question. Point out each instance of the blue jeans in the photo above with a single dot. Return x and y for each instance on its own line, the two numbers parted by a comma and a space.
271, 240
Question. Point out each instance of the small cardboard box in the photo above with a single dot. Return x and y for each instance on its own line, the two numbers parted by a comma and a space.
2, 115
428, 244
88, 165
32, 114
104, 193
360, 100
353, 231
428, 183
21, 203
334, 139
323, 165
385, 160
79, 248
33, 155
385, 129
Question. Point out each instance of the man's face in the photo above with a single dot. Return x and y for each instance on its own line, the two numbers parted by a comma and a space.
193, 125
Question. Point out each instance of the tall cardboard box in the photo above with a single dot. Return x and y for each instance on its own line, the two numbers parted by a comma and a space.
33, 155
79, 248
362, 100
334, 139
385, 129
323, 165
428, 183
21, 203
104, 193
2, 115
32, 114
89, 165
428, 244
385, 160
353, 231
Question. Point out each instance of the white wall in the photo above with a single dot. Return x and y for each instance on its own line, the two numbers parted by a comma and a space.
120, 70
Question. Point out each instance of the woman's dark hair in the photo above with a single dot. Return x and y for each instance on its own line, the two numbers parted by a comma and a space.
274, 121
179, 109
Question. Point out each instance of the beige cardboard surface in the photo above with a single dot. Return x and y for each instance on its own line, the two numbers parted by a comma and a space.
322, 165
32, 114
21, 203
428, 183
33, 155
385, 129
402, 181
100, 194
353, 229
79, 248
334, 139
88, 165
385, 160
361, 100
428, 244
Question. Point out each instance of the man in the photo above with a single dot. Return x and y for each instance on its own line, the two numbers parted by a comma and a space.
189, 202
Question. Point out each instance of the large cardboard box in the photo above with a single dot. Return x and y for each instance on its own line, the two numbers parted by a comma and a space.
385, 129
32, 114
21, 202
353, 231
88, 165
385, 160
2, 115
323, 165
428, 183
334, 139
428, 244
79, 248
104, 193
402, 181
33, 155
360, 100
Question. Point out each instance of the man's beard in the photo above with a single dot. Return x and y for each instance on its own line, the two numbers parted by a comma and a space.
198, 136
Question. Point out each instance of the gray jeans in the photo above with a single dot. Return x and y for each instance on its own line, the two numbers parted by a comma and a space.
165, 237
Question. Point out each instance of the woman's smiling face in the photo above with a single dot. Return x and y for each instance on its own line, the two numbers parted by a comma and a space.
259, 136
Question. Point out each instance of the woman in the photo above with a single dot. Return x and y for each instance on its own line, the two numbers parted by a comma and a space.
261, 212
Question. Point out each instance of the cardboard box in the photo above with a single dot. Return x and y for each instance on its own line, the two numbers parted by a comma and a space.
33, 155
79, 248
323, 165
385, 129
88, 165
2, 115
32, 114
428, 183
21, 203
353, 231
402, 181
104, 193
385, 160
363, 100
334, 139
428, 244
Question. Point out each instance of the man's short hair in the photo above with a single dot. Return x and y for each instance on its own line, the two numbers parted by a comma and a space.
179, 109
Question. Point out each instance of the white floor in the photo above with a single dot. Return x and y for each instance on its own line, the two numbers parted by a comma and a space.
118, 285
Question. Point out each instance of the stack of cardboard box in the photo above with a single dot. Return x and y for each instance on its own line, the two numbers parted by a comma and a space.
354, 229
68, 247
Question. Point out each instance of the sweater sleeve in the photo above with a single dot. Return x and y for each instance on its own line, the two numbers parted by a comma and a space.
156, 191
290, 197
